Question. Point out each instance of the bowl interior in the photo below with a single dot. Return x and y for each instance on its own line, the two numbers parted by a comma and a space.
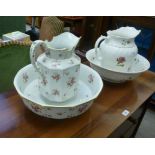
89, 86
140, 64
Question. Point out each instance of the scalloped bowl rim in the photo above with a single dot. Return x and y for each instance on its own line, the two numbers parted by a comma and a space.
94, 96
92, 51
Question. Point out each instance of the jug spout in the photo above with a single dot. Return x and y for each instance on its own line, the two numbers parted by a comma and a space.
65, 41
124, 32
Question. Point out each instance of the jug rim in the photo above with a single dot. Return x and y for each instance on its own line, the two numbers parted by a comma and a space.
60, 49
122, 32
69, 45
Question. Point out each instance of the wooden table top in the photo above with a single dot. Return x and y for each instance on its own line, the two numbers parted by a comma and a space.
99, 121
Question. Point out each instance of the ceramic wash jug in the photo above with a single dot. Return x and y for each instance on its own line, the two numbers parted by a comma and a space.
58, 66
117, 50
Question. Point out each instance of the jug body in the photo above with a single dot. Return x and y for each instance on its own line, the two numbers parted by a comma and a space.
58, 71
116, 52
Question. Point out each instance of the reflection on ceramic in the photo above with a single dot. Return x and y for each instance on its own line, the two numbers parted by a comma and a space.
117, 50
139, 66
58, 66
89, 87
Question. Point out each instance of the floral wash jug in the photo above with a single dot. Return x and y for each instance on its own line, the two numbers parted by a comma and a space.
117, 50
58, 66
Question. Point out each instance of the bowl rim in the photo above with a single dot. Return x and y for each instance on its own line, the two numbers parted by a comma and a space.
94, 96
120, 72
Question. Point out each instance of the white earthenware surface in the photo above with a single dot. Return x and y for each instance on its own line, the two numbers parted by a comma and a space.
118, 49
58, 66
139, 66
89, 87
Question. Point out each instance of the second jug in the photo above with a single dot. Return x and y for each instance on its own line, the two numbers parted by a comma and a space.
117, 51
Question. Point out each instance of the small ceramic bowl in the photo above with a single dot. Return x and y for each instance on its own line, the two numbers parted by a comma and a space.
139, 66
89, 87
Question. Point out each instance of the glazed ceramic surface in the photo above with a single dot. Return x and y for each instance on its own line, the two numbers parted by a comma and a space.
89, 87
58, 66
139, 66
117, 50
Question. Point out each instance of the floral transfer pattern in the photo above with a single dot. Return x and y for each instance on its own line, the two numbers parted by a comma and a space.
55, 92
48, 54
93, 58
129, 68
46, 72
136, 60
90, 78
126, 42
71, 82
82, 108
36, 108
42, 47
71, 62
25, 77
56, 77
44, 81
61, 113
120, 61
77, 69
60, 55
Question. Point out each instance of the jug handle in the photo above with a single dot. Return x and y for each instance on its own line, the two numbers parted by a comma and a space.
36, 46
99, 40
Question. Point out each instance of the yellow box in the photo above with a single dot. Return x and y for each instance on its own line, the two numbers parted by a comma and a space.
17, 35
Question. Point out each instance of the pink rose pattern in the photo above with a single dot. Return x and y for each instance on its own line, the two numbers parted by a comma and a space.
90, 78
25, 77
71, 82
48, 53
44, 81
64, 94
82, 108
120, 61
55, 92
71, 62
56, 77
126, 42
52, 113
36, 108
42, 47
60, 55
59, 113
93, 58
77, 69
